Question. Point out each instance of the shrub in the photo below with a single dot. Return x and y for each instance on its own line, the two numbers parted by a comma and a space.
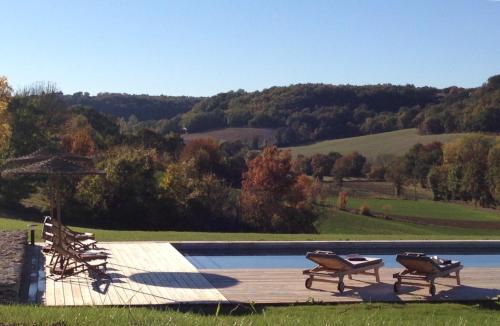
342, 201
364, 210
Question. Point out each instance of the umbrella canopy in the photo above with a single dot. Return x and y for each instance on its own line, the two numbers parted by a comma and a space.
55, 164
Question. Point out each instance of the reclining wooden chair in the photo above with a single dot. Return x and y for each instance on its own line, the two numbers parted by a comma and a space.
420, 267
66, 257
75, 262
79, 240
331, 265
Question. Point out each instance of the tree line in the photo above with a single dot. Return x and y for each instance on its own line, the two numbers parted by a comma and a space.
152, 181
467, 169
311, 112
156, 181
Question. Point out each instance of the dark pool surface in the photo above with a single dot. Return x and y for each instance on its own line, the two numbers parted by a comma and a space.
207, 261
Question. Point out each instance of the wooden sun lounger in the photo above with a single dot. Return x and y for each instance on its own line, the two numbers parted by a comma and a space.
331, 265
69, 240
69, 244
78, 235
420, 267
80, 241
74, 262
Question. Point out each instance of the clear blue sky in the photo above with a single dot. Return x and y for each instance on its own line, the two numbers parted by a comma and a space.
206, 47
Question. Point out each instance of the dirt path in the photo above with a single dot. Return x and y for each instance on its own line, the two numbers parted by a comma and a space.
452, 223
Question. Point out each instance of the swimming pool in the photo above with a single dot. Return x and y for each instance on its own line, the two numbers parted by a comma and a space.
206, 260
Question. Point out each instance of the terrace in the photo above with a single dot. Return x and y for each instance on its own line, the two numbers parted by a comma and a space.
158, 273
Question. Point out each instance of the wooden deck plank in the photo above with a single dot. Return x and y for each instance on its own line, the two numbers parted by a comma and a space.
194, 285
287, 286
135, 295
58, 292
168, 270
76, 292
132, 256
119, 282
161, 279
48, 295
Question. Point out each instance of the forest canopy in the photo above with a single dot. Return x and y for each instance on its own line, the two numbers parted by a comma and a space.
310, 112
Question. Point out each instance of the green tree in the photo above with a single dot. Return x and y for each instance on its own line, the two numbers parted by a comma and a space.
128, 195
494, 170
397, 174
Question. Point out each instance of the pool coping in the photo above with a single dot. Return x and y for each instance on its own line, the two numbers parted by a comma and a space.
475, 246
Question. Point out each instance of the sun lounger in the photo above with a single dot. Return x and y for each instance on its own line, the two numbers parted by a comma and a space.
71, 262
78, 235
331, 265
79, 240
420, 267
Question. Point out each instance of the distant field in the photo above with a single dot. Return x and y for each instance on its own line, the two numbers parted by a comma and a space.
265, 135
426, 209
378, 189
394, 142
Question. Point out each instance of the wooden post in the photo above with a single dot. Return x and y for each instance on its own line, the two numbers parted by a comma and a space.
377, 276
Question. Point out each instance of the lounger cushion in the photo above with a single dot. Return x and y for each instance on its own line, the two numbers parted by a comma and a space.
424, 264
333, 261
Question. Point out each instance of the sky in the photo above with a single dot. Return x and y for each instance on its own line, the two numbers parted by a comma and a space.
205, 47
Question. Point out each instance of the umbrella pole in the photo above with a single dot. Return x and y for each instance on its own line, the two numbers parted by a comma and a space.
58, 213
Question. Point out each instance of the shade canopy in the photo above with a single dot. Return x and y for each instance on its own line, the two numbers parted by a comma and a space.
50, 162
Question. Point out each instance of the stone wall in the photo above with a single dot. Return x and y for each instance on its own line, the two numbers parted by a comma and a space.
12, 255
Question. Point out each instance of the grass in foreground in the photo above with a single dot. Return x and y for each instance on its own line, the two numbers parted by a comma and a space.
352, 314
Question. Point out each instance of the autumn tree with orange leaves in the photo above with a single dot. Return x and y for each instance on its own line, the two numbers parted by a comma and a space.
5, 127
204, 153
274, 198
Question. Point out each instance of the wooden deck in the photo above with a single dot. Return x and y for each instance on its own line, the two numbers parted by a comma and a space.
142, 273
155, 273
287, 286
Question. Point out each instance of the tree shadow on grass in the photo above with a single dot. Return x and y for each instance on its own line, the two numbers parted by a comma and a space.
184, 279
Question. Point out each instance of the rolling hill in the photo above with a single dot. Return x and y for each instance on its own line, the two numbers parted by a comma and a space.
264, 135
393, 142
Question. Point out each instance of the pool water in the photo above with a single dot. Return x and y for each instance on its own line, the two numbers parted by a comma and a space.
205, 261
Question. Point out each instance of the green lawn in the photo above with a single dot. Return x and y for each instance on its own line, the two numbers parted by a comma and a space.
426, 208
332, 225
353, 226
393, 142
352, 314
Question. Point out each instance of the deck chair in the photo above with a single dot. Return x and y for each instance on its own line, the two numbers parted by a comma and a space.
78, 240
420, 267
52, 238
331, 265
73, 262
77, 235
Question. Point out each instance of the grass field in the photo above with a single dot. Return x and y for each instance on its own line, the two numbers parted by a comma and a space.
394, 142
426, 208
353, 314
265, 135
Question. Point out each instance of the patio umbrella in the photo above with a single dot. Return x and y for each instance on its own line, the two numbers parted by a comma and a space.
55, 165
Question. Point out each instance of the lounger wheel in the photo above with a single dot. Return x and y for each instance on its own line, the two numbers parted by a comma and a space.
309, 282
432, 290
341, 287
397, 287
